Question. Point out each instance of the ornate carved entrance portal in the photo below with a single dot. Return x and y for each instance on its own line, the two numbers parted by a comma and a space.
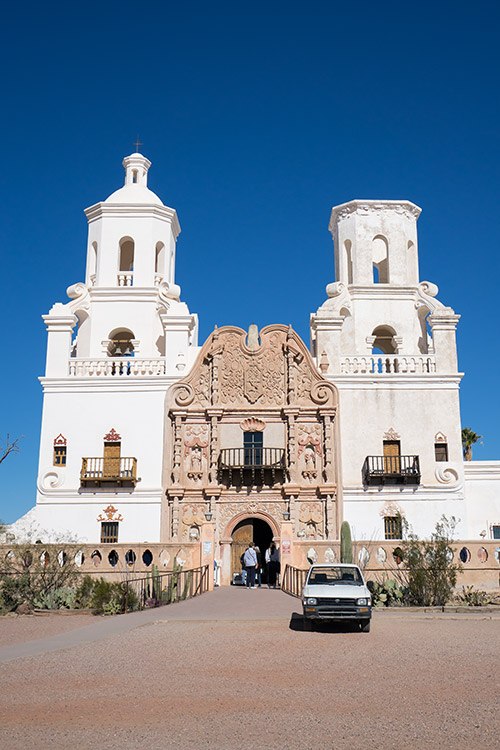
251, 434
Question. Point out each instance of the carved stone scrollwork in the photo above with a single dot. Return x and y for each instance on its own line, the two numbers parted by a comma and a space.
311, 520
446, 475
279, 371
177, 452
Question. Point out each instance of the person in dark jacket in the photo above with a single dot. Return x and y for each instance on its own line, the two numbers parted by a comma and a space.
273, 565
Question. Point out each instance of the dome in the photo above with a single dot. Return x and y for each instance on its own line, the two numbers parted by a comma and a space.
134, 194
135, 189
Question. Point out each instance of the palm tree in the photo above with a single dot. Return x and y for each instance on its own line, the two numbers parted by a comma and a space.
469, 438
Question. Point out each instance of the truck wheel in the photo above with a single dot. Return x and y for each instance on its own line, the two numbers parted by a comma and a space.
365, 626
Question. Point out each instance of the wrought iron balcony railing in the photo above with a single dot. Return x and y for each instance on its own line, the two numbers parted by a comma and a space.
251, 465
102, 470
379, 470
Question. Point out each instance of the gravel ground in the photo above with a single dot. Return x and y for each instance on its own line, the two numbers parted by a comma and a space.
190, 678
22, 628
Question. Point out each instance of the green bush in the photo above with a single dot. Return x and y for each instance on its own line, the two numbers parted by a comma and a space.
106, 597
473, 597
429, 574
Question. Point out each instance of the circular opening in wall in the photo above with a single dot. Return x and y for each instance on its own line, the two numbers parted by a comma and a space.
96, 557
10, 555
449, 554
79, 558
130, 557
147, 557
381, 555
45, 558
464, 555
482, 554
363, 556
164, 558
62, 558
497, 554
113, 558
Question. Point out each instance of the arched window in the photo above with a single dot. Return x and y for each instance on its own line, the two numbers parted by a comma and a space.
121, 343
380, 255
384, 340
160, 258
348, 260
93, 263
126, 254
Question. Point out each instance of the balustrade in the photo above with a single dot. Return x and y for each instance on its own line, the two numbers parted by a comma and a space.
116, 367
125, 278
102, 469
388, 364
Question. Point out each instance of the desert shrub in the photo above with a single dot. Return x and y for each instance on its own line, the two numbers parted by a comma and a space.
106, 597
61, 598
386, 593
473, 597
33, 574
429, 574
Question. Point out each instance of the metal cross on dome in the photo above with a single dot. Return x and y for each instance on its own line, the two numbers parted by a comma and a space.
137, 144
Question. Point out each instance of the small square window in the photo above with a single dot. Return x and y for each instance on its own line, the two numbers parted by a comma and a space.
393, 527
495, 531
59, 455
109, 532
441, 451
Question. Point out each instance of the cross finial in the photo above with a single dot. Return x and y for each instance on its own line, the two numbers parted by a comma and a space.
137, 144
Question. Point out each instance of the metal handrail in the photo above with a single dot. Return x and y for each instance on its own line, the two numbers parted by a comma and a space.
253, 457
160, 589
293, 580
406, 468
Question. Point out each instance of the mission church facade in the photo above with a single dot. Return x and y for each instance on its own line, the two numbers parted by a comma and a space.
148, 437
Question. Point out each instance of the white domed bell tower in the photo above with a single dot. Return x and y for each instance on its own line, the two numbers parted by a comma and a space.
113, 352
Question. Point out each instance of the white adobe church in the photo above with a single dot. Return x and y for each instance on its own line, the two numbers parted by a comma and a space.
146, 436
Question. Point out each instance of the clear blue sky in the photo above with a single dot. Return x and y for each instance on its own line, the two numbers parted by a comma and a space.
258, 117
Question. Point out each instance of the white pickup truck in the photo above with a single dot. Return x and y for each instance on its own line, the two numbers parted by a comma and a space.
336, 592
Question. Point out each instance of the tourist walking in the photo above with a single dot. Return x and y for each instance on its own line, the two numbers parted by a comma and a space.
273, 565
250, 560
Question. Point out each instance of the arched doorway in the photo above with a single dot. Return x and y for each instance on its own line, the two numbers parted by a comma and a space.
248, 530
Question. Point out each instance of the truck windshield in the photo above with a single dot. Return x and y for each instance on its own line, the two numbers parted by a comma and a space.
335, 574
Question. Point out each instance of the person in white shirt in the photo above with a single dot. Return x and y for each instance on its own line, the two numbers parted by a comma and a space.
250, 560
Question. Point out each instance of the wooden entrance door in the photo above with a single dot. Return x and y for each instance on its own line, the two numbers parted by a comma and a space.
242, 536
392, 457
111, 463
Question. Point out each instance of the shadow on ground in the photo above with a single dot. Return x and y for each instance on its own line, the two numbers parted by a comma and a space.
297, 623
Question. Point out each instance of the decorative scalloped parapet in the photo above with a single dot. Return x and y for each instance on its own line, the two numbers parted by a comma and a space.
277, 372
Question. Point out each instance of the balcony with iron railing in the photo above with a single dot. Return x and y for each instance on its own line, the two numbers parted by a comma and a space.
251, 466
97, 471
387, 470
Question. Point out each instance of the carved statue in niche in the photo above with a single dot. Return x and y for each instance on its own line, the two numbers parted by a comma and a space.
192, 520
311, 520
309, 450
196, 452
